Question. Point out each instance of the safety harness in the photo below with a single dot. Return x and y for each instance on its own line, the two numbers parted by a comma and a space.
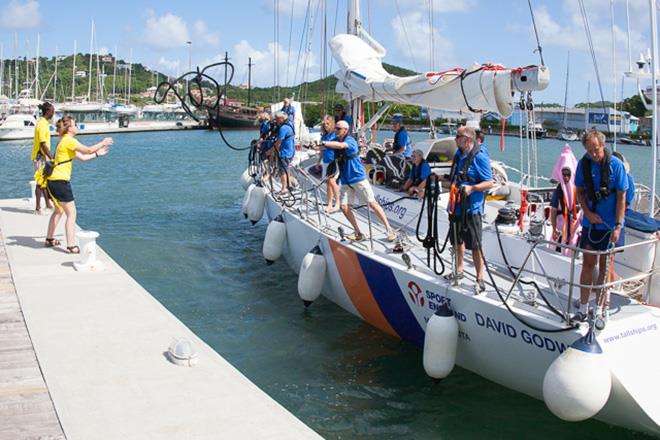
604, 190
417, 173
456, 177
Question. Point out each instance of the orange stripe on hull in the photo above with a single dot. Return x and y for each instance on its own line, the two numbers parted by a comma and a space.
357, 288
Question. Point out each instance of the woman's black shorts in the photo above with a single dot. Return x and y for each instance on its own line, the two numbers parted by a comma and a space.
61, 190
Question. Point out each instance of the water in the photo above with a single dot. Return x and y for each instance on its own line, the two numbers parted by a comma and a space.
167, 206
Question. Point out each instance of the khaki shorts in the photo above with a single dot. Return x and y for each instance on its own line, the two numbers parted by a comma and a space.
39, 162
362, 190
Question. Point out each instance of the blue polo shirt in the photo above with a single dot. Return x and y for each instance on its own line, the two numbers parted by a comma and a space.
291, 111
420, 172
265, 128
288, 145
352, 171
478, 172
402, 139
630, 192
606, 209
328, 154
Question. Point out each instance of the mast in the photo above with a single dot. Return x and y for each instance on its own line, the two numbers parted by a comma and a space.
91, 46
614, 75
586, 109
114, 77
249, 79
2, 67
55, 79
99, 89
353, 28
130, 69
73, 69
224, 89
568, 63
16, 65
36, 69
654, 82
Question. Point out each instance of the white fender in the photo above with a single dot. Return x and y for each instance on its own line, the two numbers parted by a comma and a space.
246, 198
256, 204
311, 276
577, 384
440, 343
246, 179
274, 240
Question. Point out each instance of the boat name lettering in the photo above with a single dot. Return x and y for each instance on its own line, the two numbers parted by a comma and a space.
435, 300
527, 336
394, 208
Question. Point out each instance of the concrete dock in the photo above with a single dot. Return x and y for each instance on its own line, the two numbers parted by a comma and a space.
100, 341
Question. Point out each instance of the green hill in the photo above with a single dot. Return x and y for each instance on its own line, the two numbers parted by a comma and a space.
141, 77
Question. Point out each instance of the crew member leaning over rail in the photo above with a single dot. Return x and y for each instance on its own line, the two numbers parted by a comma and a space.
285, 147
471, 176
354, 181
59, 181
601, 183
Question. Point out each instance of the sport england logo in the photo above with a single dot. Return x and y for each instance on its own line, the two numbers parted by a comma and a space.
415, 293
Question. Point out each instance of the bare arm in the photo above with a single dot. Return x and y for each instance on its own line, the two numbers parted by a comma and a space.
46, 150
335, 145
553, 218
83, 157
80, 148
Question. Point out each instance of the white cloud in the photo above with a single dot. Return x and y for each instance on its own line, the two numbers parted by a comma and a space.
103, 50
413, 40
263, 70
169, 66
21, 15
165, 32
203, 35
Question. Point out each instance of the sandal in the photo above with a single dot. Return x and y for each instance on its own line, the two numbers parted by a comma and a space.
391, 236
357, 237
52, 242
72, 250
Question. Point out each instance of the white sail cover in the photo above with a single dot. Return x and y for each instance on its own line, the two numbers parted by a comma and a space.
481, 88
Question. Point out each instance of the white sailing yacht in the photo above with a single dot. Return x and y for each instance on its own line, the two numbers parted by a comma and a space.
519, 331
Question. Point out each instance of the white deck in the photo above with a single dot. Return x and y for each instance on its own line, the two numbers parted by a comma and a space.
100, 340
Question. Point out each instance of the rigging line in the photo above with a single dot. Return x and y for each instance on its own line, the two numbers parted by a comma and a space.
332, 59
288, 60
405, 33
587, 30
536, 33
431, 36
613, 73
302, 40
275, 51
308, 55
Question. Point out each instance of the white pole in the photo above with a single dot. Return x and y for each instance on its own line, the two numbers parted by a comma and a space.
2, 67
130, 70
613, 72
114, 77
91, 46
654, 81
55, 80
73, 70
36, 68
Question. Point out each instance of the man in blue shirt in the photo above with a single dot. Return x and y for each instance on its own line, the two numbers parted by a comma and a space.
354, 182
471, 177
603, 205
341, 115
402, 143
285, 145
290, 110
417, 179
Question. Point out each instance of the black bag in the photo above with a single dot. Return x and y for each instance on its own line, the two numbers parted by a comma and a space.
50, 166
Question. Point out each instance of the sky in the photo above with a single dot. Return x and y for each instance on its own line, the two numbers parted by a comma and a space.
464, 32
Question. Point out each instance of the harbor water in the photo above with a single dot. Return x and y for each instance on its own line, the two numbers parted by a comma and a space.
167, 206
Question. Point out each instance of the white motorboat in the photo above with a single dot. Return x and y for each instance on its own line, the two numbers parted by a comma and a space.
16, 127
567, 135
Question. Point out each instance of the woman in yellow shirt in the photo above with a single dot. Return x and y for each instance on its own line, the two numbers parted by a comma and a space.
59, 182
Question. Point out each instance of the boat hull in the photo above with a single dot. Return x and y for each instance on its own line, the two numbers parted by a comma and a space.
491, 342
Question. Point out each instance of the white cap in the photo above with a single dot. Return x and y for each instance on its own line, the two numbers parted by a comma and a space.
342, 124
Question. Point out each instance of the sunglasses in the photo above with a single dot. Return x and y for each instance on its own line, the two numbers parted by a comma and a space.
565, 173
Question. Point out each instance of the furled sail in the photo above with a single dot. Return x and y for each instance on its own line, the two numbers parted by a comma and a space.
480, 88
